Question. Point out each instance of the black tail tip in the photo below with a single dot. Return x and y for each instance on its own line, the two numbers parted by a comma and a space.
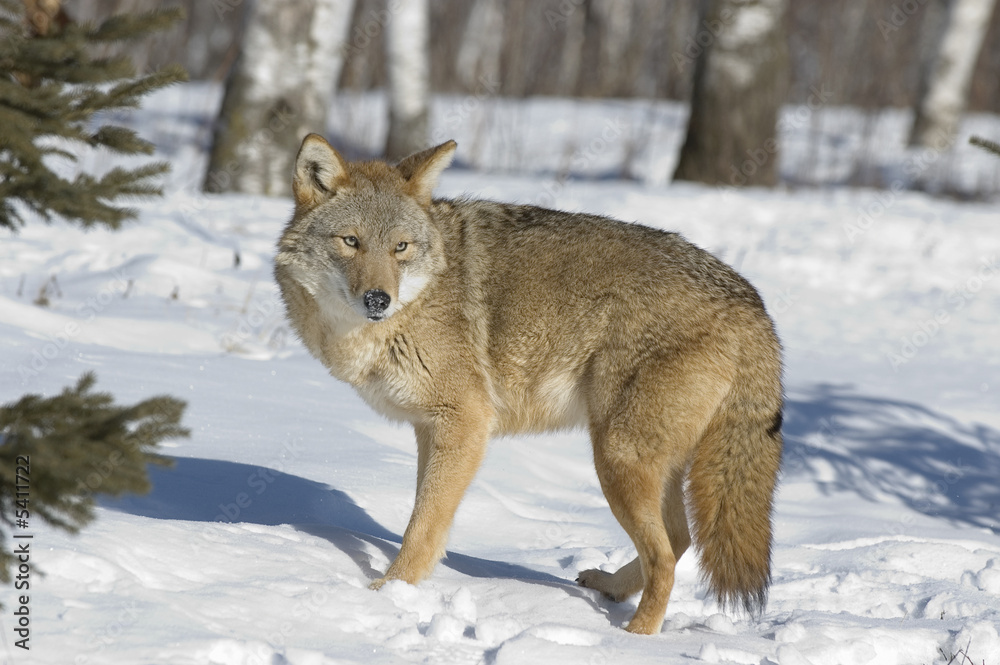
750, 603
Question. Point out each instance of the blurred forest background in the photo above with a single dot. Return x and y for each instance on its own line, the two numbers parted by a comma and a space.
605, 48
873, 57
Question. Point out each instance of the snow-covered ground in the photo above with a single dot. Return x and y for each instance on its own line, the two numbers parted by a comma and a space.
291, 495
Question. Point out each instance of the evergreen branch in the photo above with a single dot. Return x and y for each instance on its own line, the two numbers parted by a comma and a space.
127, 94
121, 140
136, 182
49, 101
99, 70
129, 27
85, 199
985, 144
161, 78
80, 443
9, 217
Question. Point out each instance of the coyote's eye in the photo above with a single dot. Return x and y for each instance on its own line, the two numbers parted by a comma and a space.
350, 241
401, 246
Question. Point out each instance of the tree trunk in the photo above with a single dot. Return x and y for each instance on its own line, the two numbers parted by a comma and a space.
481, 47
409, 78
574, 27
740, 81
515, 61
278, 92
945, 92
615, 76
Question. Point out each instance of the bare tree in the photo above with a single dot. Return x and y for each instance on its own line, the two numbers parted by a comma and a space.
740, 80
278, 92
482, 45
945, 89
408, 57
621, 41
572, 55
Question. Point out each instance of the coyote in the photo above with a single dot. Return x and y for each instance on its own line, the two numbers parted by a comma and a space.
473, 319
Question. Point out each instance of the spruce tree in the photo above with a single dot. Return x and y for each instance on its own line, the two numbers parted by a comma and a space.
57, 453
53, 81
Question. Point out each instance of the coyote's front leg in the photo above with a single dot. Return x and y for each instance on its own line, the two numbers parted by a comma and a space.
450, 450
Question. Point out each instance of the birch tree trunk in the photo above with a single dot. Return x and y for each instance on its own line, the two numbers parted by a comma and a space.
408, 58
278, 92
482, 46
946, 91
740, 80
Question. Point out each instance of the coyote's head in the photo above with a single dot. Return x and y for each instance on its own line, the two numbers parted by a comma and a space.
361, 241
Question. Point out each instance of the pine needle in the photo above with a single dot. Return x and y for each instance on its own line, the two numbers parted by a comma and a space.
985, 144
48, 104
80, 444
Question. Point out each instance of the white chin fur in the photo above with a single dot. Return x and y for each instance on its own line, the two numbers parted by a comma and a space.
410, 287
334, 299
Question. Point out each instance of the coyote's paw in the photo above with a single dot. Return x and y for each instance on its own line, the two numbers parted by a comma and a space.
377, 584
599, 580
641, 626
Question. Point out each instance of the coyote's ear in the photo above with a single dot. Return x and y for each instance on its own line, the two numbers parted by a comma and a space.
422, 170
319, 171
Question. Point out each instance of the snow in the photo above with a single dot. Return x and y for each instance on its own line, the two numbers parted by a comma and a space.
291, 495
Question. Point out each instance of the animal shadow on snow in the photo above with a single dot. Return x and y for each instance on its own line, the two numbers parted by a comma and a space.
881, 448
834, 437
207, 490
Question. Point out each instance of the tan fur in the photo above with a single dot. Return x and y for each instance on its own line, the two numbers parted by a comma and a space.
507, 319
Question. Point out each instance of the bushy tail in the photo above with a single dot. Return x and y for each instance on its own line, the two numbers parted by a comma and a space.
731, 486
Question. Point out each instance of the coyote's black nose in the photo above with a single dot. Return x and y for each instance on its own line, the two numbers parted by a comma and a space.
376, 302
